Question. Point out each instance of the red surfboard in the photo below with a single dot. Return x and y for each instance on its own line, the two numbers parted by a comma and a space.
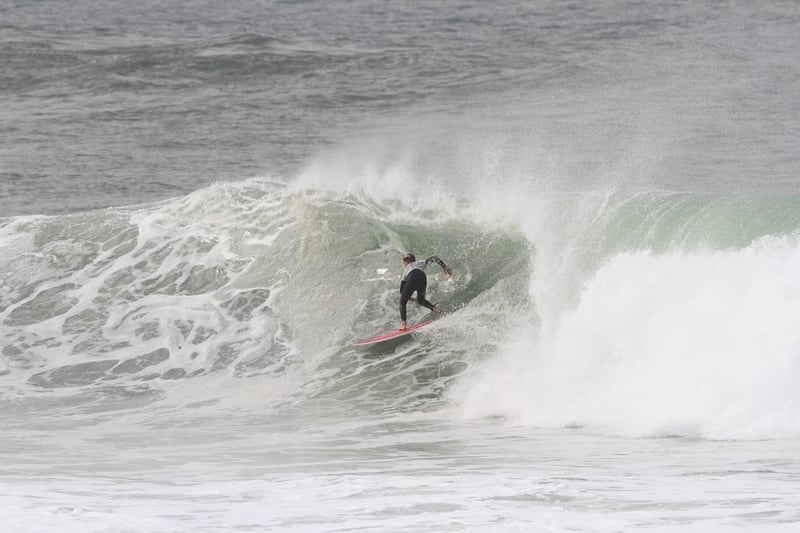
394, 334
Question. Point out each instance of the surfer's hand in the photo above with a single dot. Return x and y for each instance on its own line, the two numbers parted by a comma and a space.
402, 325
413, 299
448, 271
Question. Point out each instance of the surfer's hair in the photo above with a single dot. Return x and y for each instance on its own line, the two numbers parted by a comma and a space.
409, 257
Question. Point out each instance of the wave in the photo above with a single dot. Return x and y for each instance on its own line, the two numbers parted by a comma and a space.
647, 313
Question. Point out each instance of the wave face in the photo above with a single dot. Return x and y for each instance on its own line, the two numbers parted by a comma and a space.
236, 282
643, 313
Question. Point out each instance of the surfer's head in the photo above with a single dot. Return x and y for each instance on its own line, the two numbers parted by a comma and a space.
409, 258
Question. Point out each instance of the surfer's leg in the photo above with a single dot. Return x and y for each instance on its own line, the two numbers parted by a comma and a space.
423, 286
422, 301
425, 303
408, 290
416, 281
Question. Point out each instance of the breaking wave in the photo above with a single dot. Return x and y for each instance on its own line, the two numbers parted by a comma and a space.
646, 313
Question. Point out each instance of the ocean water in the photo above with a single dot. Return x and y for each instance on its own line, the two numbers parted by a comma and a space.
203, 206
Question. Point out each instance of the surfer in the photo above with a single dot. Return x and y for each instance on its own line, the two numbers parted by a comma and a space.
414, 279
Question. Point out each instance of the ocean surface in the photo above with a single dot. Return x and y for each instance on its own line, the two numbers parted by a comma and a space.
203, 205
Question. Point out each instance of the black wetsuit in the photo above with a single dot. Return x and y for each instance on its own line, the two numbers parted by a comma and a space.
416, 280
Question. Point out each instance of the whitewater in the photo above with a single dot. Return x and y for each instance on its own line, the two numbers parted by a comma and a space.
204, 205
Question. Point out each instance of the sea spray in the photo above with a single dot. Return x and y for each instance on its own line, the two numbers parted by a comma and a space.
700, 343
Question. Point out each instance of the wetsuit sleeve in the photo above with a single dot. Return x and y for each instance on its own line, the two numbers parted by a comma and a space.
402, 285
435, 259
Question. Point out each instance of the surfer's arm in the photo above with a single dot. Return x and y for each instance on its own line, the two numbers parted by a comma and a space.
435, 259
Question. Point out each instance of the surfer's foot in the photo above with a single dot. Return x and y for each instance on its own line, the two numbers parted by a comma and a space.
437, 309
402, 325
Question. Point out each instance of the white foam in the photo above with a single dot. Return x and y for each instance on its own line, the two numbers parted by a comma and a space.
701, 343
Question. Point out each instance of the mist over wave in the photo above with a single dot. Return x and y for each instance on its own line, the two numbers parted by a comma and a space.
654, 311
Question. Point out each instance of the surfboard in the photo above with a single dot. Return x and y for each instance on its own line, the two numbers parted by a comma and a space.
396, 334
